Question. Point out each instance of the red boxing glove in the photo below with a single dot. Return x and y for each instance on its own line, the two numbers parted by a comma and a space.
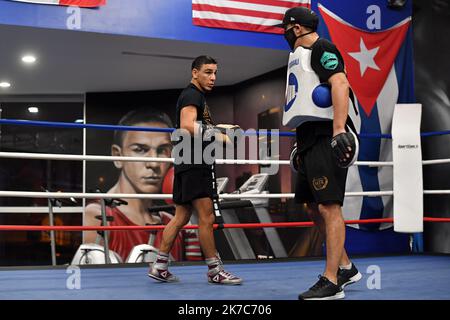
167, 184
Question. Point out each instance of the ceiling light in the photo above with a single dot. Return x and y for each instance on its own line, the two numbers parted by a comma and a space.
5, 84
29, 59
33, 109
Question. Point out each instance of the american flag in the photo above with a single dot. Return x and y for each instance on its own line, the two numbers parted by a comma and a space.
78, 3
250, 15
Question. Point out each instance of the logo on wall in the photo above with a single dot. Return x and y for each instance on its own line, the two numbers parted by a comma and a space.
292, 91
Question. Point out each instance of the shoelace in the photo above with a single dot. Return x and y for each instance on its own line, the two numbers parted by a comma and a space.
319, 283
226, 274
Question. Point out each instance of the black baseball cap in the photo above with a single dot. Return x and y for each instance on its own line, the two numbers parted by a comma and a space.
301, 15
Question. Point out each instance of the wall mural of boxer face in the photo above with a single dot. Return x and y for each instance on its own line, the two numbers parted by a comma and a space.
144, 177
206, 76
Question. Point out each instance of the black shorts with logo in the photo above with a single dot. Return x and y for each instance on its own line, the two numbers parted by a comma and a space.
192, 184
319, 179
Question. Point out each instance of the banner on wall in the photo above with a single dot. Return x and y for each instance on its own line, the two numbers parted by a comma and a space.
249, 15
77, 3
133, 109
376, 44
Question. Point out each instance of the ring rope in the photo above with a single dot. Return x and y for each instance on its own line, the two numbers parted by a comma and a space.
169, 130
193, 227
60, 195
160, 196
436, 161
70, 125
218, 161
73, 157
436, 192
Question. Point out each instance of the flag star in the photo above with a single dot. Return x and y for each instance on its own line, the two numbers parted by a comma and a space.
365, 57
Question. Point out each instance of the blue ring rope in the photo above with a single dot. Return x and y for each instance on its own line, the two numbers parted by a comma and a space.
169, 130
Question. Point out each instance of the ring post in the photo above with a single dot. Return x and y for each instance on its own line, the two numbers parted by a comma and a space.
408, 179
105, 232
52, 232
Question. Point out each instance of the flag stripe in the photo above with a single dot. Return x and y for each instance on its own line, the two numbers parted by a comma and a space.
242, 12
250, 15
263, 7
83, 3
386, 101
235, 18
39, 1
275, 3
235, 25
78, 3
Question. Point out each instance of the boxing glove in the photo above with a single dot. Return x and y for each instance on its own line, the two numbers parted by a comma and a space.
167, 184
294, 159
345, 148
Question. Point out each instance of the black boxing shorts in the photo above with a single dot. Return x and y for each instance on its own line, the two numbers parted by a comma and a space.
192, 184
319, 179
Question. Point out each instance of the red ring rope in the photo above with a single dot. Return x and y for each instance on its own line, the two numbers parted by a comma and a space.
160, 227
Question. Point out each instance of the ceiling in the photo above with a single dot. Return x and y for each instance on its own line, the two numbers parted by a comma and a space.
71, 62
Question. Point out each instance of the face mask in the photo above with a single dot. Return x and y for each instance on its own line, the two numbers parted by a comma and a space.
291, 38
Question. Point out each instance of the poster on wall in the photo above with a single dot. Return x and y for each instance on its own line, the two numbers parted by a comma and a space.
139, 109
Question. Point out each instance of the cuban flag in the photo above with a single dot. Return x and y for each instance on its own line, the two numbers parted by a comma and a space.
376, 44
77, 3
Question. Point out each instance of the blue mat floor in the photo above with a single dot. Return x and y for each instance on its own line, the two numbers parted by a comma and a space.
384, 278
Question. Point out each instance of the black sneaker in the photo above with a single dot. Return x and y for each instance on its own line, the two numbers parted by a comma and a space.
324, 289
346, 277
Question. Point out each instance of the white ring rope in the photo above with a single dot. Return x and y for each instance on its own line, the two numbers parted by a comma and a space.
73, 157
60, 195
437, 161
436, 191
28, 210
56, 195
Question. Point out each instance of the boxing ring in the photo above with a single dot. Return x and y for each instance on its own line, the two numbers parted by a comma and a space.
412, 276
